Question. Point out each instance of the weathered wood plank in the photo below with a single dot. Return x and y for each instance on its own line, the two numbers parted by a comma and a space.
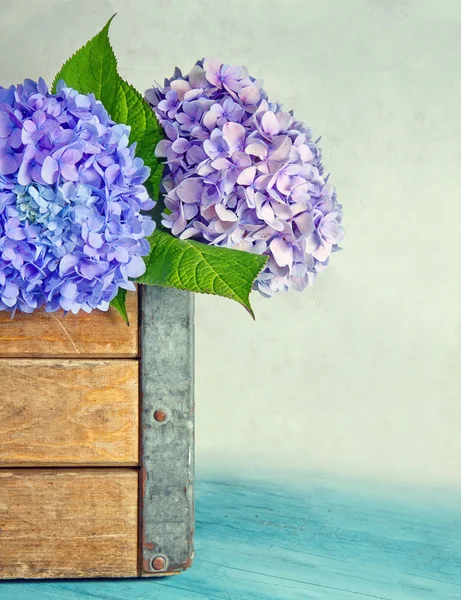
300, 536
98, 334
68, 412
63, 523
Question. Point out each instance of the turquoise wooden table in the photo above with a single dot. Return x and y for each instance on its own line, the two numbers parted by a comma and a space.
316, 539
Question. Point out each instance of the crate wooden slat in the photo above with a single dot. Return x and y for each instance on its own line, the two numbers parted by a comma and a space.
63, 523
98, 334
96, 441
69, 412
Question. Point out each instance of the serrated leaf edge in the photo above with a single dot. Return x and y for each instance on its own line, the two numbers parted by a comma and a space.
193, 245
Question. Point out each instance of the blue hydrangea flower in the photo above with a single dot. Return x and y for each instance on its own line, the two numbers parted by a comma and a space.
242, 173
71, 196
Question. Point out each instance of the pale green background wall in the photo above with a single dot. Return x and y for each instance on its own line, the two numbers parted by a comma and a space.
360, 375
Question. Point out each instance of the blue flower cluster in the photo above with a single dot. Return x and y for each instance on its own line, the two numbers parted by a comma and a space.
242, 173
71, 192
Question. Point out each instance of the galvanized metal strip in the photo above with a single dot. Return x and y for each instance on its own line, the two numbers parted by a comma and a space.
167, 430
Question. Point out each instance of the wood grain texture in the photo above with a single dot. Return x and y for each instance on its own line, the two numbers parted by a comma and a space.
299, 536
58, 523
68, 412
98, 334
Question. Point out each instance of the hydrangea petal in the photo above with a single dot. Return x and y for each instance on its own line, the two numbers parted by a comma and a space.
190, 190
136, 267
282, 251
250, 95
234, 134
50, 170
270, 124
8, 164
212, 68
6, 125
247, 176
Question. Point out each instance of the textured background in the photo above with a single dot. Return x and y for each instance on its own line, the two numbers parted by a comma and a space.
360, 374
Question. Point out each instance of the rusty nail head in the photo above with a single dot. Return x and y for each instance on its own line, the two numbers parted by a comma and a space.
158, 563
160, 415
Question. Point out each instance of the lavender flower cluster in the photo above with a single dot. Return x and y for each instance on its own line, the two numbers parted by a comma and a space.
71, 232
243, 173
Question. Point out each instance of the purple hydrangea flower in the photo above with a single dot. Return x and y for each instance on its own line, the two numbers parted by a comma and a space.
71, 192
242, 173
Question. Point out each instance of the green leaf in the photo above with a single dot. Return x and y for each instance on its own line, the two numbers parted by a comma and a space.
93, 69
119, 303
183, 264
197, 267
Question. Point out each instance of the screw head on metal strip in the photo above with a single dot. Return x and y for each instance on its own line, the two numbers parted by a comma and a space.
160, 415
158, 563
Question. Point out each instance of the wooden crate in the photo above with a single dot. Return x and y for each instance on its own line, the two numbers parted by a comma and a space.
96, 441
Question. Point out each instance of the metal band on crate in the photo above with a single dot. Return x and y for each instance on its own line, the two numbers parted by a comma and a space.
167, 430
